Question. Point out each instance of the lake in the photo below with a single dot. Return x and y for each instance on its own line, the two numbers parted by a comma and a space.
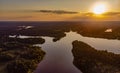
59, 58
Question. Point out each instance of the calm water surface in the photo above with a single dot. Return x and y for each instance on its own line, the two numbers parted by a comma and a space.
59, 58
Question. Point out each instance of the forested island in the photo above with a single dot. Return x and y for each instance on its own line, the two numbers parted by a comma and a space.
19, 55
90, 60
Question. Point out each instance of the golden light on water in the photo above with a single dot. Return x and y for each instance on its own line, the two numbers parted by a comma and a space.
99, 8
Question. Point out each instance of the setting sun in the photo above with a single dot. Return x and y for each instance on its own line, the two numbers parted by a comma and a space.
99, 9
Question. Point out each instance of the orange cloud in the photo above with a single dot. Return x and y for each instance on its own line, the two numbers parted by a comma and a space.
57, 15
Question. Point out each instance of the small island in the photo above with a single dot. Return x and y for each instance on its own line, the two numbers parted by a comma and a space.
90, 60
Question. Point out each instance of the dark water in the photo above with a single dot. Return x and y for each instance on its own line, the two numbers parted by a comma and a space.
59, 57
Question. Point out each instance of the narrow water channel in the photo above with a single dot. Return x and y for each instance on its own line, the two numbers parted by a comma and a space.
59, 58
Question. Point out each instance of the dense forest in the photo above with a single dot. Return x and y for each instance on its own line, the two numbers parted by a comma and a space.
56, 29
19, 55
90, 60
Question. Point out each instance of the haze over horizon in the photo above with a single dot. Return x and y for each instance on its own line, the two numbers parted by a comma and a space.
57, 10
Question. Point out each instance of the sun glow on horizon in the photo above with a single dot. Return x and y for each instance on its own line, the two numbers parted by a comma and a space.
99, 8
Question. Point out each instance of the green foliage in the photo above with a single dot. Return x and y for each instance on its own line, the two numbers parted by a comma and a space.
19, 55
31, 40
21, 66
11, 45
27, 60
33, 53
89, 60
4, 57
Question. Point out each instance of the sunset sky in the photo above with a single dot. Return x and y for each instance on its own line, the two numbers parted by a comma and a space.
57, 10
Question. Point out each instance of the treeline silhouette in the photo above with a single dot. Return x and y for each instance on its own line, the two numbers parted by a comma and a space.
57, 29
90, 60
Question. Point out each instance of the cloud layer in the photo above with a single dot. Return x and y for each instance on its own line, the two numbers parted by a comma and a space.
72, 12
55, 11
57, 15
112, 14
